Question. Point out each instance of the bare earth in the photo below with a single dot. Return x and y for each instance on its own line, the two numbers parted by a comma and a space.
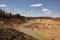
49, 29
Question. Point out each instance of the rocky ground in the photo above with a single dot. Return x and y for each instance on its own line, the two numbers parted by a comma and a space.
12, 34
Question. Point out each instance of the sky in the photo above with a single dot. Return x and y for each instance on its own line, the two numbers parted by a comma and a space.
34, 8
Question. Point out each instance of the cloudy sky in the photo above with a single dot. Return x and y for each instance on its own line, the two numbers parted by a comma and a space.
32, 7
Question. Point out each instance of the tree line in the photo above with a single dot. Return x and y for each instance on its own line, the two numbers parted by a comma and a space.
10, 15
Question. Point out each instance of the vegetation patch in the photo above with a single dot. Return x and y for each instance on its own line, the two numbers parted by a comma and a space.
29, 32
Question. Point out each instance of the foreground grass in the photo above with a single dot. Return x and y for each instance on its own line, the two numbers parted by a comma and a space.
29, 32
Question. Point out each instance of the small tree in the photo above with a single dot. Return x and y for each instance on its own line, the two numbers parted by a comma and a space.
18, 15
10, 15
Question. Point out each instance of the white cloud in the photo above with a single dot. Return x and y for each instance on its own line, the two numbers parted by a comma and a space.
36, 5
3, 5
46, 11
15, 9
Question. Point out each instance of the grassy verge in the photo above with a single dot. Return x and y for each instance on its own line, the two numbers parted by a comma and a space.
29, 32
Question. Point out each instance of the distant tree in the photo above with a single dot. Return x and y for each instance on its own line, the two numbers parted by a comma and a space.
3, 13
0, 12
10, 14
17, 15
6, 15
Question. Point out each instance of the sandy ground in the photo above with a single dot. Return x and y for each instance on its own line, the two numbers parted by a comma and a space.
50, 30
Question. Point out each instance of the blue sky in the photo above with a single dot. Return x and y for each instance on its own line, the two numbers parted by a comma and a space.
32, 7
